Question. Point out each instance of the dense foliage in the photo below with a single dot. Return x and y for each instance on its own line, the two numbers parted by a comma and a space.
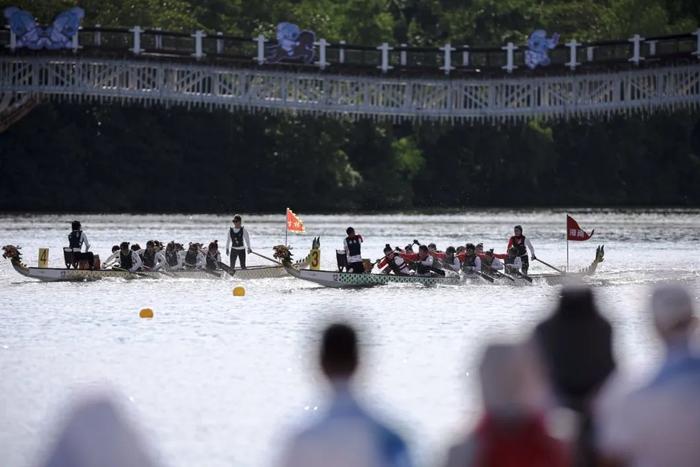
103, 158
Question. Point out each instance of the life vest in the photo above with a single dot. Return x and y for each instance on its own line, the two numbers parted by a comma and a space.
74, 239
236, 238
525, 445
149, 259
125, 260
354, 246
191, 258
519, 244
398, 268
469, 261
171, 258
212, 263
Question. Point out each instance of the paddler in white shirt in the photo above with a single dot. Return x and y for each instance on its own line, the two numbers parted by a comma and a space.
471, 263
450, 261
128, 259
113, 258
151, 257
490, 263
394, 262
194, 258
174, 257
427, 264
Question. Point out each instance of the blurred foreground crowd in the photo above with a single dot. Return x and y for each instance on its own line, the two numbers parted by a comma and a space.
548, 401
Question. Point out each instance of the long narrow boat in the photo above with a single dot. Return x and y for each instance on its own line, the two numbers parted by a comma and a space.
338, 279
78, 275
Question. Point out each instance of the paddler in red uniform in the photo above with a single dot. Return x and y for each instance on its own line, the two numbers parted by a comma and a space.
393, 262
522, 245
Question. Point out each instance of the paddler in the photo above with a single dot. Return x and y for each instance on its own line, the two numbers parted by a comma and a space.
353, 251
213, 257
151, 257
490, 263
450, 261
393, 262
427, 264
194, 258
128, 259
522, 245
513, 263
173, 258
76, 240
471, 263
113, 258
239, 241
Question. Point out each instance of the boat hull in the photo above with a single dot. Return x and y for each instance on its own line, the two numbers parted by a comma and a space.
82, 275
342, 280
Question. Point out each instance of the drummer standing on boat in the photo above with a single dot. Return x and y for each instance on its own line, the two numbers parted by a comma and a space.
76, 240
522, 245
239, 241
353, 251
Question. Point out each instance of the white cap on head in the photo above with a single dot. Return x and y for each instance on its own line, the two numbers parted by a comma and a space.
672, 307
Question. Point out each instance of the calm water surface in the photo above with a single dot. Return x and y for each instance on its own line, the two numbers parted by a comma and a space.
216, 380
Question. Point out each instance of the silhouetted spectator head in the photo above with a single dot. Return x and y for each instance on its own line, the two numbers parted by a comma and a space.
115, 248
512, 383
339, 354
672, 309
576, 347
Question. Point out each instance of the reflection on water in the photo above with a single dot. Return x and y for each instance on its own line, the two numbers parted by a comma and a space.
217, 380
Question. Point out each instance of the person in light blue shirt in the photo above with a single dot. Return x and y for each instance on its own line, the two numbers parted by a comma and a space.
346, 435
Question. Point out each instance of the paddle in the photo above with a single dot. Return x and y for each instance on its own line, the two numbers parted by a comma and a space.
265, 257
500, 274
522, 276
138, 274
165, 273
485, 276
549, 265
226, 267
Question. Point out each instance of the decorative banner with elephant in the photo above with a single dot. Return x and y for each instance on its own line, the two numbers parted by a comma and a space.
58, 35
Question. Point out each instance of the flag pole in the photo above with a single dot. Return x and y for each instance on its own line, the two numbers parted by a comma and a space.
567, 242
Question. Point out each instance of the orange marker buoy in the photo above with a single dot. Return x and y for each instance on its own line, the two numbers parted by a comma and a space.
146, 313
238, 291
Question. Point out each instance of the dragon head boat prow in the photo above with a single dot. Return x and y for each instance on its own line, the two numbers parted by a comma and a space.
283, 253
12, 253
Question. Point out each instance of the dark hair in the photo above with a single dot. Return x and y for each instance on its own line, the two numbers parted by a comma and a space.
135, 247
470, 246
349, 230
423, 248
450, 249
387, 248
518, 227
432, 245
115, 248
237, 218
214, 245
150, 243
75, 225
339, 354
124, 245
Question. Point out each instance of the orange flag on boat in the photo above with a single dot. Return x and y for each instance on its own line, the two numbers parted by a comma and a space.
574, 232
294, 224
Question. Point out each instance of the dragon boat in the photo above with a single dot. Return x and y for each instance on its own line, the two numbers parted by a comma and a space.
47, 274
338, 279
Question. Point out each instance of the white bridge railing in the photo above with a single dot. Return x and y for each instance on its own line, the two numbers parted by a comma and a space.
141, 82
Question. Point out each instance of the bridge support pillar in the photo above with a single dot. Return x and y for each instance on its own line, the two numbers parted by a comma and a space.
322, 44
261, 49
341, 52
403, 55
13, 41
697, 46
510, 62
137, 40
636, 41
447, 60
572, 64
198, 50
219, 43
97, 37
384, 49
465, 56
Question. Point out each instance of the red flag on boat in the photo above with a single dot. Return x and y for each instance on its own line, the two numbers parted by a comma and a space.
294, 224
574, 232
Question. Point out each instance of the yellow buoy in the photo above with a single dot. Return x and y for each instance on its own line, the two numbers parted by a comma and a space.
146, 313
238, 291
